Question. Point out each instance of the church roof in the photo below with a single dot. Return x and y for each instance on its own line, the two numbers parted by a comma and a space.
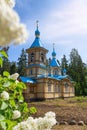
26, 79
37, 65
36, 43
59, 77
54, 63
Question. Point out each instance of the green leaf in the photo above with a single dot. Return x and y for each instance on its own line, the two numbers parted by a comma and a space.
32, 110
4, 106
12, 103
3, 126
20, 98
1, 117
3, 53
6, 74
10, 124
1, 61
7, 84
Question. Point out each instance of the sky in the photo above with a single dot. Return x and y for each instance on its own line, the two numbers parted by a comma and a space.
63, 22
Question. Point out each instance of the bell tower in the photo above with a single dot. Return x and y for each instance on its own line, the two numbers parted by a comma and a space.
36, 57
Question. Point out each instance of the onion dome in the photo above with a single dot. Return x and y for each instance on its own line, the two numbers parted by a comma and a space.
37, 32
64, 71
37, 42
53, 53
54, 62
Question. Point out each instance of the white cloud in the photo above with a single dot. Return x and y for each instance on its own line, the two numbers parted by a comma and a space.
71, 19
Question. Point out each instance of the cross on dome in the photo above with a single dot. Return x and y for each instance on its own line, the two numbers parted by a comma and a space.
37, 32
37, 24
53, 53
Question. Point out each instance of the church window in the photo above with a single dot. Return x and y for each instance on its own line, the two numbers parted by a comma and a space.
55, 72
42, 57
66, 87
31, 89
32, 57
58, 88
55, 87
49, 86
73, 89
31, 72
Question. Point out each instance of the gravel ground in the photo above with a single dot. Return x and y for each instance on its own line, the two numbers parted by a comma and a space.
65, 111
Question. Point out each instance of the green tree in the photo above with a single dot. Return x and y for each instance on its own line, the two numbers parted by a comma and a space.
77, 71
64, 63
6, 62
13, 68
22, 63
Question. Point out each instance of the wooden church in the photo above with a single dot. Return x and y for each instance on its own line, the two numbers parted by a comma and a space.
45, 81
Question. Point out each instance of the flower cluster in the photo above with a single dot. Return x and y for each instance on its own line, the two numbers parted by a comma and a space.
5, 95
40, 123
16, 114
11, 30
11, 3
14, 76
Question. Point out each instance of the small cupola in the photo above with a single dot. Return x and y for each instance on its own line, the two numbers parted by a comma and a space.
53, 53
37, 32
64, 71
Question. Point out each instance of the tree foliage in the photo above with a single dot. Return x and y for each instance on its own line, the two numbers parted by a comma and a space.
13, 68
77, 71
22, 63
64, 63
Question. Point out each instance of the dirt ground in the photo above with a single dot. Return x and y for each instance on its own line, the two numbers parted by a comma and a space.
66, 110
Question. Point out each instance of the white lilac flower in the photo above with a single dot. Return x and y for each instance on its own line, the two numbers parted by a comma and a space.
32, 122
5, 95
45, 123
16, 114
11, 30
50, 114
17, 81
14, 76
40, 123
22, 126
26, 125
11, 3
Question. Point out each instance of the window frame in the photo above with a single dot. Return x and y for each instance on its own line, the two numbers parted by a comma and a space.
32, 57
49, 86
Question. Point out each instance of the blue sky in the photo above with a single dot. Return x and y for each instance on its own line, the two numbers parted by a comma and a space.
63, 22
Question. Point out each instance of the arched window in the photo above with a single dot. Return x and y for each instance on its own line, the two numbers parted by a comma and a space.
32, 57
72, 89
49, 86
55, 87
55, 72
66, 87
42, 57
59, 90
31, 72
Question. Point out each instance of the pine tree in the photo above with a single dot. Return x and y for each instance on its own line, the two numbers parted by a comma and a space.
64, 64
13, 68
77, 72
22, 63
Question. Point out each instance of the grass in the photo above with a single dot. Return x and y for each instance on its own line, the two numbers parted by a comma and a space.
75, 101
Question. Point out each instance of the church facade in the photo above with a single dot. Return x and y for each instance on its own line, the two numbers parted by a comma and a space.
44, 79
